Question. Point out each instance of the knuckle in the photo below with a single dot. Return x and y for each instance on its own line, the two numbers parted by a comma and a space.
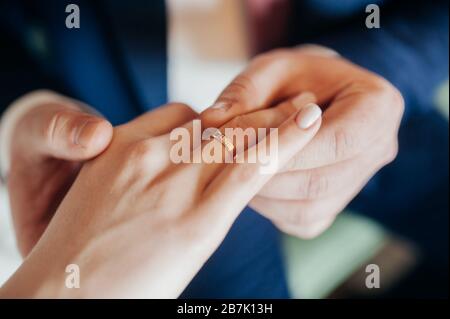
240, 121
380, 84
140, 151
310, 232
272, 55
341, 144
242, 87
393, 97
296, 162
263, 58
57, 121
247, 172
293, 218
291, 165
316, 186
397, 99
391, 152
235, 122
278, 61
298, 218
301, 231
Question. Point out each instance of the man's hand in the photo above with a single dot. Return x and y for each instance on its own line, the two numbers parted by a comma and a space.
357, 138
48, 144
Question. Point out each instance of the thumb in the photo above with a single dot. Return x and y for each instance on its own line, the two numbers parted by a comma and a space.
238, 183
259, 86
63, 132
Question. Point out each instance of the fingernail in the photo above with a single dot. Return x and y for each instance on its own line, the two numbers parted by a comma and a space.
301, 100
220, 106
85, 132
308, 116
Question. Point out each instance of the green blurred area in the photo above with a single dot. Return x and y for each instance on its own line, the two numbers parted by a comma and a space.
315, 268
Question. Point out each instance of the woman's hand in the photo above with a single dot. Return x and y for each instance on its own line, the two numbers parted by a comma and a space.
138, 225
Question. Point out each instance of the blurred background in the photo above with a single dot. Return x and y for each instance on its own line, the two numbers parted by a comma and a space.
399, 221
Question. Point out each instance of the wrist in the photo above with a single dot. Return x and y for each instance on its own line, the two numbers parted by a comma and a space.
29, 281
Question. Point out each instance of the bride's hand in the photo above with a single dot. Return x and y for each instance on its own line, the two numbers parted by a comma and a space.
138, 225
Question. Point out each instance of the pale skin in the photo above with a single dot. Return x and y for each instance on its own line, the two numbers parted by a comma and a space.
358, 137
126, 222
50, 143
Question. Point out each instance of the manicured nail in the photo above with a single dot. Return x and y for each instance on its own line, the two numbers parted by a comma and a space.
85, 132
308, 116
304, 98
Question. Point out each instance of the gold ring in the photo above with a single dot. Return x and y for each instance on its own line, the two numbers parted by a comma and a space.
225, 141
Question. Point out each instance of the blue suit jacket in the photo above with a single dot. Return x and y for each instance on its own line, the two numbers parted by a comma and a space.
106, 64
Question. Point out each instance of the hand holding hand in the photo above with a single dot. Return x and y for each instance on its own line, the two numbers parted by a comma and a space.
362, 114
51, 139
138, 225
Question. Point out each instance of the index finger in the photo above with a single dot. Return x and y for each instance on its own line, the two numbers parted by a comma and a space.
359, 117
276, 76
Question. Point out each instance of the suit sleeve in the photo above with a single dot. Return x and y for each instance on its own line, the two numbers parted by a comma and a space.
410, 49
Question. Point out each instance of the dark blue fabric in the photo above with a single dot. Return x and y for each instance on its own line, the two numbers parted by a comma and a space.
113, 66
86, 61
117, 63
140, 32
248, 264
410, 49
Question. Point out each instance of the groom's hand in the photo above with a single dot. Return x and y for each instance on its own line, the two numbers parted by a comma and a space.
357, 138
48, 143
